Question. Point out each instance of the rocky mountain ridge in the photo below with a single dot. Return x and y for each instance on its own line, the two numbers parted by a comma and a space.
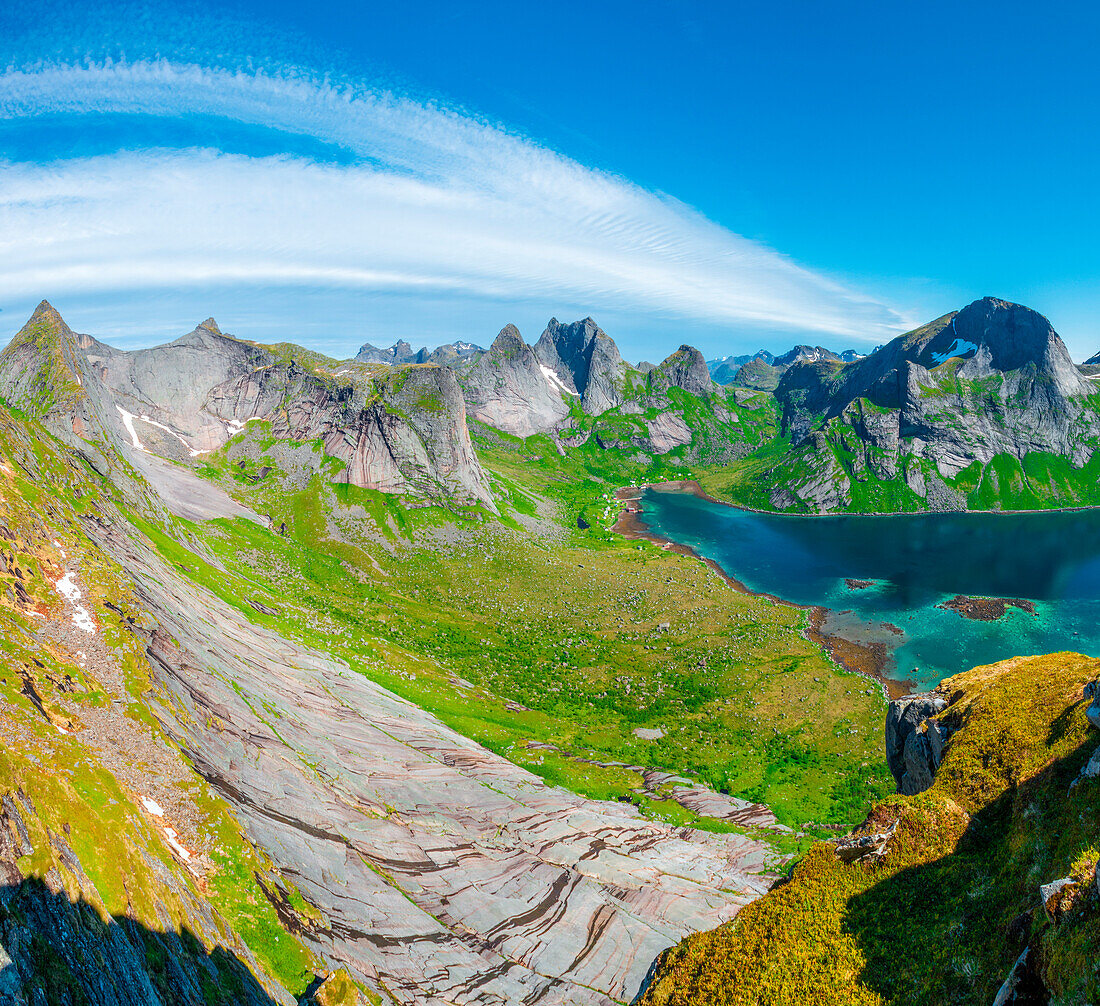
399, 430
725, 369
575, 374
448, 354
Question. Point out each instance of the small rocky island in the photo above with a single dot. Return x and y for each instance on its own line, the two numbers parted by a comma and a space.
986, 609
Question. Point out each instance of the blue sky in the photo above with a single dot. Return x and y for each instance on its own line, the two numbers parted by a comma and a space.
728, 175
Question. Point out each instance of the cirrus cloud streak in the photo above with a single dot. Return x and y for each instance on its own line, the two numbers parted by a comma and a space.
415, 198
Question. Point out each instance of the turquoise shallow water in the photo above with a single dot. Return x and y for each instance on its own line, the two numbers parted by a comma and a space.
916, 563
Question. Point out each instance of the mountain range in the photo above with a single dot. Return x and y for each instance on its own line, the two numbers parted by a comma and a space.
980, 408
402, 352
329, 682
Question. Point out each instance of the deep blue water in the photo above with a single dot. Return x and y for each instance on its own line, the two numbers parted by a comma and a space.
916, 562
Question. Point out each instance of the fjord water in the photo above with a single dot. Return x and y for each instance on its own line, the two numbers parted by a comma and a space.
916, 562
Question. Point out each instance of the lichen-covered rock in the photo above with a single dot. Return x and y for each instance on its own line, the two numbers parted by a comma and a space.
853, 848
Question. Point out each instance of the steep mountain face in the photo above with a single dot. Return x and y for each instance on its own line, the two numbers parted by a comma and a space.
524, 390
508, 388
586, 361
992, 380
686, 369
451, 354
401, 431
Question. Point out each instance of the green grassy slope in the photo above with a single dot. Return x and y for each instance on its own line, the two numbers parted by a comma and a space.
533, 628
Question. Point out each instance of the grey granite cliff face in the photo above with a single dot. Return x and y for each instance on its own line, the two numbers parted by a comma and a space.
586, 360
399, 431
508, 388
991, 379
523, 391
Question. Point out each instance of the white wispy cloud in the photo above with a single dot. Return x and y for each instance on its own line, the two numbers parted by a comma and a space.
431, 199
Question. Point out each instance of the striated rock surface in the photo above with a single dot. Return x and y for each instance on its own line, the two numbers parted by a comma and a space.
433, 867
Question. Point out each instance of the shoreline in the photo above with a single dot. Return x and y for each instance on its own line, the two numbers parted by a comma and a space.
868, 660
693, 487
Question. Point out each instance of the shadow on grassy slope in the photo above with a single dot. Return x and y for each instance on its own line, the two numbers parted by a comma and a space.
65, 952
949, 930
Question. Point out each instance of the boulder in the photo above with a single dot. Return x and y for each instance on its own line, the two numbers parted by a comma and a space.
1092, 693
911, 754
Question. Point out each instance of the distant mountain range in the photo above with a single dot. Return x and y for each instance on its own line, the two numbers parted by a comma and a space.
980, 408
766, 368
402, 352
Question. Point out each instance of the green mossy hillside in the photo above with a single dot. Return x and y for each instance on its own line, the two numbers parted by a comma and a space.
944, 915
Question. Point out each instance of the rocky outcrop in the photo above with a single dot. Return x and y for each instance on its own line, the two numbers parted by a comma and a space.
819, 482
401, 431
586, 361
865, 848
507, 387
1092, 695
686, 369
915, 740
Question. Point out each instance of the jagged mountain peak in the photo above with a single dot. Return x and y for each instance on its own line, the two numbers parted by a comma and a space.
211, 326
585, 360
45, 320
508, 338
46, 311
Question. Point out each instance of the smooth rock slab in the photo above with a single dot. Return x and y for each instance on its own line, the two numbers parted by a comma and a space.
444, 873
